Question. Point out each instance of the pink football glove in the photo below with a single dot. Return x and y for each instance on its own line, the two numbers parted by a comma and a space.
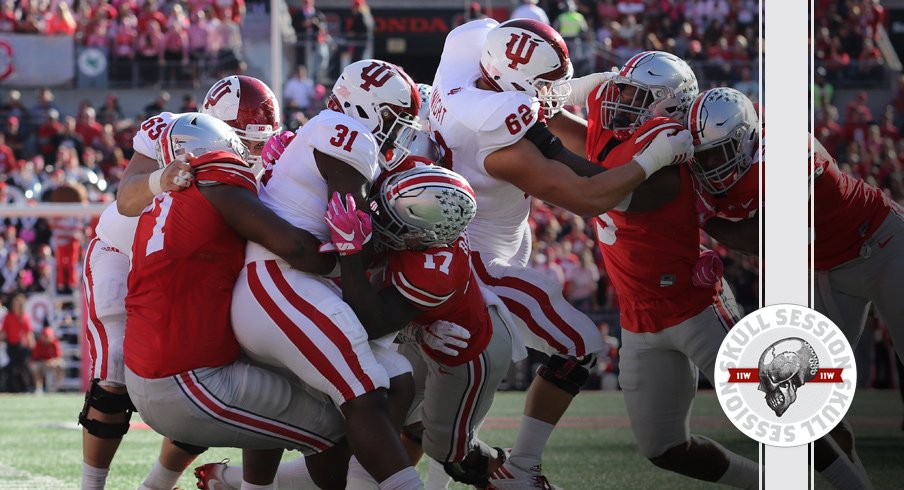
350, 228
708, 270
275, 146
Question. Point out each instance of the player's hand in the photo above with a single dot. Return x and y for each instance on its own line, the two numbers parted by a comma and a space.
441, 336
708, 270
275, 146
350, 228
176, 176
581, 87
670, 147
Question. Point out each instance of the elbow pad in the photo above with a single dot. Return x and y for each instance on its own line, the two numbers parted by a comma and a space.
548, 143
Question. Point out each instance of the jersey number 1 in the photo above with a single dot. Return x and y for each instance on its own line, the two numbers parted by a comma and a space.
339, 140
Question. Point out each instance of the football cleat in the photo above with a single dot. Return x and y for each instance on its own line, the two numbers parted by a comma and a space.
511, 477
210, 476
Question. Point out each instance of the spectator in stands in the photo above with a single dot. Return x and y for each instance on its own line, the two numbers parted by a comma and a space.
69, 136
124, 47
475, 12
147, 56
199, 52
110, 112
313, 40
18, 335
188, 104
9, 272
31, 20
573, 27
8, 17
298, 92
61, 21
529, 10
8, 161
823, 90
88, 128
360, 35
607, 364
870, 61
39, 111
174, 55
582, 282
748, 86
47, 361
158, 105
227, 36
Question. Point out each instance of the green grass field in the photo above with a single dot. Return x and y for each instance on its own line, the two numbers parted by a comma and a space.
40, 446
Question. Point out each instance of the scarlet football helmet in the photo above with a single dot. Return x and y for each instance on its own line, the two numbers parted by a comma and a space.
726, 133
426, 206
525, 55
245, 103
198, 134
382, 97
663, 85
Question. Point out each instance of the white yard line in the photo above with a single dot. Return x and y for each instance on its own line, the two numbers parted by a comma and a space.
15, 479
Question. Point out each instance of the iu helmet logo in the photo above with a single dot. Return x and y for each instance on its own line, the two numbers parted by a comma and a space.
519, 49
217, 92
375, 75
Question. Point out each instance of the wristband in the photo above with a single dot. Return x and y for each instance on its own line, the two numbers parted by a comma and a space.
155, 182
649, 168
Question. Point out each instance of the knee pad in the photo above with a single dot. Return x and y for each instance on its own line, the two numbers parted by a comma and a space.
189, 448
568, 373
110, 403
473, 469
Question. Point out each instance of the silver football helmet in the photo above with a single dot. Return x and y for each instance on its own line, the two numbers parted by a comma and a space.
198, 134
426, 206
726, 132
651, 84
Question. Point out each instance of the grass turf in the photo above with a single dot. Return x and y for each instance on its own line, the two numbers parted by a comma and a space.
40, 446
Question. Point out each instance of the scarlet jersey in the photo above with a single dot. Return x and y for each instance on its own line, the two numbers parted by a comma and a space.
440, 282
185, 262
469, 124
743, 200
847, 211
293, 186
650, 255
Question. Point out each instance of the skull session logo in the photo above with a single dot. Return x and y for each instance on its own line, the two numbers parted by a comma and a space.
785, 375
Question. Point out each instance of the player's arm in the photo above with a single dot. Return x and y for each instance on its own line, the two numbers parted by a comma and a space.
381, 313
742, 236
144, 179
571, 129
254, 221
524, 166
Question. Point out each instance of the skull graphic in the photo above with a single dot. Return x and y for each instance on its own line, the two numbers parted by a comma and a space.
784, 367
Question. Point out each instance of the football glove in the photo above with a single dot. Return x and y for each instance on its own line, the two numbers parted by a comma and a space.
275, 147
350, 229
581, 87
669, 147
708, 270
441, 336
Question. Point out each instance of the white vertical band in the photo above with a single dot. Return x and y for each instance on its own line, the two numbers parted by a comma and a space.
786, 226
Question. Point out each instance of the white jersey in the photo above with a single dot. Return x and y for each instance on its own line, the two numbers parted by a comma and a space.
114, 228
470, 123
294, 188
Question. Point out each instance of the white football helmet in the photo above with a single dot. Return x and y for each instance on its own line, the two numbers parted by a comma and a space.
664, 86
426, 206
726, 132
198, 134
382, 97
248, 105
525, 55
423, 144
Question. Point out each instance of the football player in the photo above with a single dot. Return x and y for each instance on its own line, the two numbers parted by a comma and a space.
247, 105
854, 252
495, 85
182, 365
672, 322
298, 321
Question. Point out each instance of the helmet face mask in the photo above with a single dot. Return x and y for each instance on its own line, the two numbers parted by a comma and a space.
426, 206
395, 141
723, 152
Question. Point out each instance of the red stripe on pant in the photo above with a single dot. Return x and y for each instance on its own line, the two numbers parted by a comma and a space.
725, 315
92, 314
202, 397
541, 298
301, 341
470, 406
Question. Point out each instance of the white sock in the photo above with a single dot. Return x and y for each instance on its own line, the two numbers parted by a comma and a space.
93, 478
295, 474
844, 474
741, 472
437, 478
359, 478
532, 437
232, 476
161, 478
406, 479
252, 486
